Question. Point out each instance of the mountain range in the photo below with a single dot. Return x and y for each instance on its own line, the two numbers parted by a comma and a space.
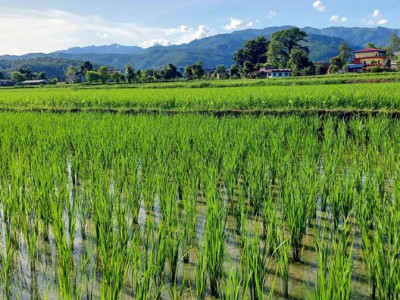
213, 50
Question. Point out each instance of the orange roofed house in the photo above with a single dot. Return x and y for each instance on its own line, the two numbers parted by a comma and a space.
367, 59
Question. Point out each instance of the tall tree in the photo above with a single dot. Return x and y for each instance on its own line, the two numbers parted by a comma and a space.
129, 73
104, 76
18, 77
198, 70
220, 72
2, 76
234, 72
339, 62
298, 61
283, 43
370, 45
147, 75
92, 76
252, 54
86, 66
170, 72
157, 75
336, 64
345, 52
26, 72
42, 76
188, 72
116, 77
71, 74
275, 54
394, 43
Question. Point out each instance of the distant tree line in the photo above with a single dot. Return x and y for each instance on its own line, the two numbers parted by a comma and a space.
104, 74
24, 74
51, 67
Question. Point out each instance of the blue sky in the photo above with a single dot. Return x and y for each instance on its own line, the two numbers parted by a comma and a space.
45, 26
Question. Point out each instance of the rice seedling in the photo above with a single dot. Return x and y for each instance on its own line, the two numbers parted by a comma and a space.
255, 262
235, 287
214, 247
201, 275
282, 253
295, 210
108, 206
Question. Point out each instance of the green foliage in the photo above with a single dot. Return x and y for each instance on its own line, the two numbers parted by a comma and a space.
93, 76
234, 72
195, 71
129, 73
87, 66
394, 45
298, 62
117, 77
336, 64
251, 54
283, 43
220, 72
18, 77
345, 52
103, 73
52, 67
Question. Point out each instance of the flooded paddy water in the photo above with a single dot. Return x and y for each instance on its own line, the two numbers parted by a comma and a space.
161, 207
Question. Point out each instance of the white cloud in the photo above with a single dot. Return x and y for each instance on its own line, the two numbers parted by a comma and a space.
103, 35
338, 19
318, 5
201, 32
234, 24
49, 30
383, 22
271, 14
155, 42
376, 13
375, 19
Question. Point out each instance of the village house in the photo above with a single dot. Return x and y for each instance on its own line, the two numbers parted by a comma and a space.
35, 82
366, 59
6, 82
272, 73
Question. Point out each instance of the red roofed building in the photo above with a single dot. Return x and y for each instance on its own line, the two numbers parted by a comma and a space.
370, 57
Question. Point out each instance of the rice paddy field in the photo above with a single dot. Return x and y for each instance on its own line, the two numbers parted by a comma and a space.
373, 96
190, 205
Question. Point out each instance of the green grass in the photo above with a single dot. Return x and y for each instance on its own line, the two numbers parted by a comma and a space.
374, 96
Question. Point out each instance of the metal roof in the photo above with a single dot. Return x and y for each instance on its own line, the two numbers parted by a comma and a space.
369, 50
355, 66
35, 81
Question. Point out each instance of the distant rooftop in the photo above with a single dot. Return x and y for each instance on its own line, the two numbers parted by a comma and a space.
369, 50
273, 70
35, 81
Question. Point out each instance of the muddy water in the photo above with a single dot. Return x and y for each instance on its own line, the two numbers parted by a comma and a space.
302, 275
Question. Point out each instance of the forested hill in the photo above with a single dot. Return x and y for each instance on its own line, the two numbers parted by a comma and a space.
53, 67
214, 50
